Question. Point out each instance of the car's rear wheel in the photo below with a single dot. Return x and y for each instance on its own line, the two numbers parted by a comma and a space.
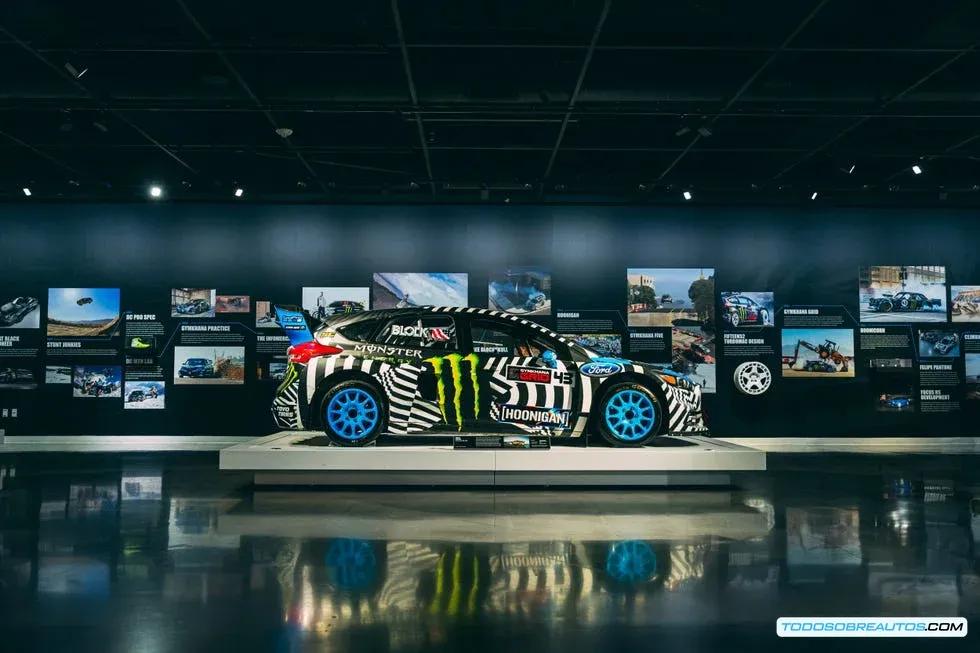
885, 307
353, 414
630, 415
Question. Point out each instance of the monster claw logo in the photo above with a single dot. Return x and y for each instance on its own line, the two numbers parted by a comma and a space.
292, 375
454, 363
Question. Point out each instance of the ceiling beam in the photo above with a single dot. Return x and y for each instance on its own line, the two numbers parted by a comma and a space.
248, 91
583, 71
412, 93
744, 87
40, 153
64, 74
234, 48
884, 105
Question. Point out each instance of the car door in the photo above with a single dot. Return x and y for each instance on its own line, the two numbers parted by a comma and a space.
434, 391
531, 379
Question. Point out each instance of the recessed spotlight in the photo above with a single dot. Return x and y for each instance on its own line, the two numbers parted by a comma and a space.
239, 192
814, 196
687, 195
156, 191
917, 170
27, 191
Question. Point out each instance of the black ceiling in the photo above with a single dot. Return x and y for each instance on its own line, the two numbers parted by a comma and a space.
532, 100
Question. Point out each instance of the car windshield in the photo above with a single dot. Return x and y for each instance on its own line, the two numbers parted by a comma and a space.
197, 361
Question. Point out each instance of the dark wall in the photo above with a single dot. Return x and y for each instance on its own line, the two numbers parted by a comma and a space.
805, 257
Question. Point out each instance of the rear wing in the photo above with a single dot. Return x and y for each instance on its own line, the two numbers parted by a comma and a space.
296, 323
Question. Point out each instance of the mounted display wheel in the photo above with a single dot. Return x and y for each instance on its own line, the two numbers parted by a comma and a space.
763, 317
353, 414
630, 415
733, 320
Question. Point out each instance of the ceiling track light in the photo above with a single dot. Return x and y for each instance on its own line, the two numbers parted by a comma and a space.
850, 170
156, 192
239, 192
27, 191
687, 195
916, 169
814, 196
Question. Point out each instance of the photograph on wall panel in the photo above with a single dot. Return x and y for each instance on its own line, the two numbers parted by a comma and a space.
609, 345
97, 381
902, 293
143, 395
521, 290
670, 297
232, 304
57, 375
265, 315
965, 303
818, 353
22, 312
323, 302
973, 377
192, 302
932, 343
741, 309
405, 289
217, 365
83, 312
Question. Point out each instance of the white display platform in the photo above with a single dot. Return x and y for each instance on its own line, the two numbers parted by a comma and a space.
277, 460
499, 516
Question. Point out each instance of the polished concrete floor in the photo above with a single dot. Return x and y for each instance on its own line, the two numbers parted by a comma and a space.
164, 553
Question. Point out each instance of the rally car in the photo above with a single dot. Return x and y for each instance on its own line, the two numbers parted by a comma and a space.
193, 307
450, 369
16, 310
197, 367
903, 301
739, 309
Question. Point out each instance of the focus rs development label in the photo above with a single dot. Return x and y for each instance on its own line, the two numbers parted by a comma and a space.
534, 416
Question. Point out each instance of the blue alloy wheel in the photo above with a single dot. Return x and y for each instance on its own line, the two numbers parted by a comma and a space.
630, 562
630, 415
352, 414
351, 564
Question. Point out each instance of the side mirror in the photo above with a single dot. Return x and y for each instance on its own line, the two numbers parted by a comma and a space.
549, 358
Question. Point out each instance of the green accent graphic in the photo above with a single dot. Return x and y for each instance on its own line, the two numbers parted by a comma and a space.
456, 373
440, 385
292, 374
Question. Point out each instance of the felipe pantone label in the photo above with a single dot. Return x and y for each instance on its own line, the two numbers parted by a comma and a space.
871, 627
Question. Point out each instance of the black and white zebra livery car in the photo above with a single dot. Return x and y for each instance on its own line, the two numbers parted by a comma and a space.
449, 369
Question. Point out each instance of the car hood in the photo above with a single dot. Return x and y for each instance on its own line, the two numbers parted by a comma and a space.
662, 370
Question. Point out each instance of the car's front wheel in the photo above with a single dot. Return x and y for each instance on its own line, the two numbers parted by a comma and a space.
353, 414
630, 415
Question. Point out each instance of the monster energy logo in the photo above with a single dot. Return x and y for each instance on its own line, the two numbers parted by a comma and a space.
454, 363
742, 312
292, 375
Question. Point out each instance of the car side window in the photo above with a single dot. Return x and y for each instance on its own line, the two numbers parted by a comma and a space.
359, 331
420, 331
495, 339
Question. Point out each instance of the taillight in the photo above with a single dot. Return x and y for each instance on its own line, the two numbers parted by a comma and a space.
301, 354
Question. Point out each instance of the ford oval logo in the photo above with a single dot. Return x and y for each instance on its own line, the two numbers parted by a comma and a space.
601, 369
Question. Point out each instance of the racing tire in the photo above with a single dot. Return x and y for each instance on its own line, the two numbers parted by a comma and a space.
630, 415
353, 414
733, 320
885, 307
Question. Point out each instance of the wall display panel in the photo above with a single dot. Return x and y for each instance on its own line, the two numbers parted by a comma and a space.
787, 337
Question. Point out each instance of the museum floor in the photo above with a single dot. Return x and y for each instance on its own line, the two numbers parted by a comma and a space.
164, 553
